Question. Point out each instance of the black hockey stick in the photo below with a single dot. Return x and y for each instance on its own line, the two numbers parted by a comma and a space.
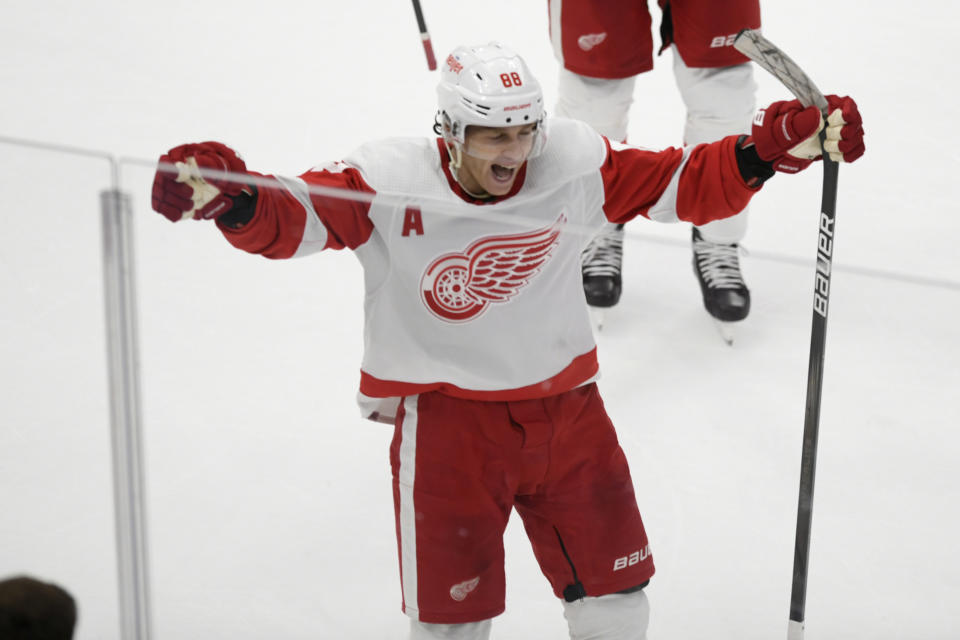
425, 36
767, 55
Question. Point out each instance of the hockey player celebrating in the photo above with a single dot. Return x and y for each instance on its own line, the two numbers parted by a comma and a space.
478, 344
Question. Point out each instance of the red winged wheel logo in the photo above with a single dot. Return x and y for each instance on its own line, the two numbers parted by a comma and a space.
458, 287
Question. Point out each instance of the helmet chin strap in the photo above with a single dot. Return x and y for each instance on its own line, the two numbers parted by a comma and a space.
456, 161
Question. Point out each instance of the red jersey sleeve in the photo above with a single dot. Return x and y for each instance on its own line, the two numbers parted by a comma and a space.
709, 185
346, 218
291, 216
634, 179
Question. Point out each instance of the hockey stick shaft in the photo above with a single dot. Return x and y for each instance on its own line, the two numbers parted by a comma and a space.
769, 56
425, 36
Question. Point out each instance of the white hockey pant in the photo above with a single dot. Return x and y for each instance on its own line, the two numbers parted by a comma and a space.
602, 103
618, 616
720, 102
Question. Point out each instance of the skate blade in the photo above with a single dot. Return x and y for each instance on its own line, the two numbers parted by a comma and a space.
727, 330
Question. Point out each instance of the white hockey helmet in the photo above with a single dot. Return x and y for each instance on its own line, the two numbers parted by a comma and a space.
488, 85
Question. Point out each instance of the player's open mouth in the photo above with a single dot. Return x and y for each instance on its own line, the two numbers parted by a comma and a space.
502, 174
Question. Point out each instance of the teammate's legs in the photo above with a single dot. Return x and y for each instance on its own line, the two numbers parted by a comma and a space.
720, 102
603, 103
601, 46
716, 84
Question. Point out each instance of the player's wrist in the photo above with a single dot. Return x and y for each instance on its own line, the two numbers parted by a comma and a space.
243, 209
754, 170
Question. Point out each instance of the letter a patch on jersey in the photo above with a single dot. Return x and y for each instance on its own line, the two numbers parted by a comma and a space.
412, 221
458, 287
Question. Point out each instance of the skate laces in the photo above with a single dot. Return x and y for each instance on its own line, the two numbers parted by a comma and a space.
604, 255
718, 264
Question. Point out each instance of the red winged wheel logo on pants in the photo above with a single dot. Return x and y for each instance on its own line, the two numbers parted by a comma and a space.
458, 287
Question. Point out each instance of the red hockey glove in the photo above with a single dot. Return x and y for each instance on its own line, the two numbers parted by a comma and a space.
786, 134
197, 180
844, 130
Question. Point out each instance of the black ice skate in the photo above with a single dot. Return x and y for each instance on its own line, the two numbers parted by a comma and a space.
600, 263
725, 295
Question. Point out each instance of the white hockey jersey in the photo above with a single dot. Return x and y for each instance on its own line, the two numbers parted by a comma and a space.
482, 299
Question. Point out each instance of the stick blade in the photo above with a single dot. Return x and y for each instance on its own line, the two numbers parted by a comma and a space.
755, 46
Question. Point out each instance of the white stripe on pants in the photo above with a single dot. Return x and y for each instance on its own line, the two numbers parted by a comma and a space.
408, 518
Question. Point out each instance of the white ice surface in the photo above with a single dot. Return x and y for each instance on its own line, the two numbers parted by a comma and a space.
269, 502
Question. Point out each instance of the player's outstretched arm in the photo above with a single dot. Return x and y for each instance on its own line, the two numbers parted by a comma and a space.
326, 208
